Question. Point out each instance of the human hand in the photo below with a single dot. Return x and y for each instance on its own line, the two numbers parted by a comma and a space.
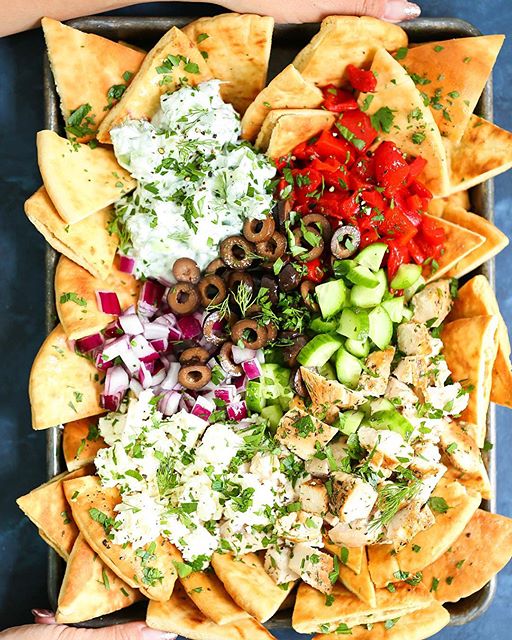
46, 629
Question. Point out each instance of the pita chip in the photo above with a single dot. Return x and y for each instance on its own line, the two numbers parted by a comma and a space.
437, 206
180, 615
237, 49
288, 90
452, 74
75, 297
469, 347
63, 386
419, 625
413, 128
351, 557
89, 588
93, 508
359, 584
157, 75
344, 40
250, 586
88, 242
79, 180
484, 152
88, 69
81, 442
48, 509
284, 129
482, 549
382, 564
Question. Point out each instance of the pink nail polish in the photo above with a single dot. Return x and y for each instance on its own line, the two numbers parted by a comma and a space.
42, 613
154, 634
397, 10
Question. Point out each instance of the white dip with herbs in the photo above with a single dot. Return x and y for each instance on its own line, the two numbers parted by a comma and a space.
197, 181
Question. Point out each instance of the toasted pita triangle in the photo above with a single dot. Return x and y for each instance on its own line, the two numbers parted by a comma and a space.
48, 509
284, 129
459, 242
311, 613
85, 494
495, 240
382, 564
476, 298
237, 49
437, 206
396, 91
180, 615
79, 180
360, 584
421, 624
89, 588
63, 386
250, 586
142, 98
457, 70
482, 549
344, 40
484, 151
81, 442
433, 542
85, 318
288, 90
85, 66
470, 347
88, 243
354, 558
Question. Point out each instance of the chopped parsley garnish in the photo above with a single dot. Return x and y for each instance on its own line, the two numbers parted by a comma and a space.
71, 296
401, 53
382, 119
438, 504
350, 137
79, 123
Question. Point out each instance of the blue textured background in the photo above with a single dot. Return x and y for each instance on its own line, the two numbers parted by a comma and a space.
22, 451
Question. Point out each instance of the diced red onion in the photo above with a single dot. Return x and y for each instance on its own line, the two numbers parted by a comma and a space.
113, 330
115, 347
116, 385
252, 368
260, 355
240, 383
187, 402
175, 335
144, 376
168, 319
130, 361
131, 324
101, 364
149, 297
190, 327
226, 393
126, 264
237, 410
203, 408
171, 378
156, 331
136, 387
242, 355
108, 302
142, 349
158, 377
89, 342
161, 344
169, 403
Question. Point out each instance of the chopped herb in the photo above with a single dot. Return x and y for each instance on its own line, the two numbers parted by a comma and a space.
65, 517
382, 119
401, 53
435, 584
183, 569
487, 446
451, 448
449, 580
71, 296
329, 599
124, 592
438, 48
79, 124
367, 102
416, 548
391, 587
151, 576
350, 137
418, 137
106, 581
460, 563
389, 624
201, 37
438, 504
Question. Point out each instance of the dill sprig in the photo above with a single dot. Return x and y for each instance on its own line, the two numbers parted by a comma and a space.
392, 496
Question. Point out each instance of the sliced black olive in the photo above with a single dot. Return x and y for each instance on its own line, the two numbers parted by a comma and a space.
271, 331
273, 248
307, 289
259, 230
345, 241
194, 376
183, 298
212, 290
226, 360
194, 355
186, 270
320, 222
298, 383
269, 283
288, 278
284, 208
236, 278
291, 352
311, 240
236, 252
216, 267
250, 333
214, 328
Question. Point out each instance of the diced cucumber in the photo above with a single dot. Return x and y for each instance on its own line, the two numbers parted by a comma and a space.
381, 327
342, 267
366, 297
354, 324
331, 297
327, 371
392, 420
319, 349
348, 368
406, 276
407, 313
410, 291
349, 421
273, 414
285, 399
363, 276
275, 374
381, 404
358, 348
394, 308
372, 255
317, 325
254, 396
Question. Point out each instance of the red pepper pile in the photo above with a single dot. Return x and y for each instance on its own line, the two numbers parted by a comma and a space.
334, 174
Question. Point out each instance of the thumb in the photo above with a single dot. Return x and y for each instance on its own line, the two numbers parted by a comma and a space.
131, 631
392, 10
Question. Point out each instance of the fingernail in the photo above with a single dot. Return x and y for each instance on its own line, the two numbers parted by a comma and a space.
42, 613
154, 634
397, 10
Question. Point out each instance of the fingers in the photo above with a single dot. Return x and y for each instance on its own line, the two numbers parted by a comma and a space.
131, 631
43, 616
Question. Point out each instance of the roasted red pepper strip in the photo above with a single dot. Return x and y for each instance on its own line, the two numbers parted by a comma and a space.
361, 80
338, 100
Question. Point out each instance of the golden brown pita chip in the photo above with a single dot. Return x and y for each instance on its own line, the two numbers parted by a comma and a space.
437, 206
495, 240
312, 614
157, 75
75, 297
89, 588
81, 442
419, 625
284, 129
453, 73
382, 564
288, 90
48, 509
63, 386
91, 504
88, 243
482, 549
359, 584
180, 615
430, 544
250, 586
484, 151
476, 298
85, 66
351, 557
413, 128
458, 243
469, 347
237, 49
344, 40
79, 180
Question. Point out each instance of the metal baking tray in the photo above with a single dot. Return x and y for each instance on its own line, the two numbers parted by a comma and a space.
287, 41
